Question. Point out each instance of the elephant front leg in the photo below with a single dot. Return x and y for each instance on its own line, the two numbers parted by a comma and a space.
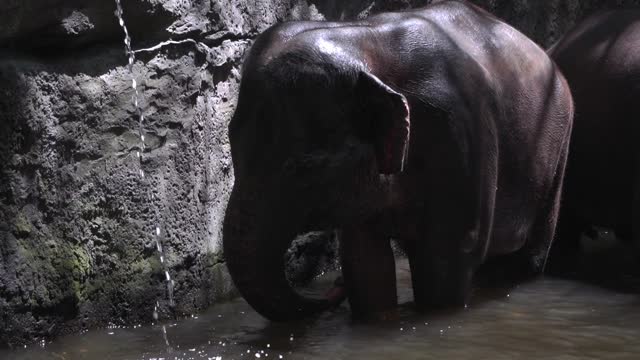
441, 240
440, 278
368, 268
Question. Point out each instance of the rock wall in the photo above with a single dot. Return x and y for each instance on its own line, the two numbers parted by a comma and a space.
76, 247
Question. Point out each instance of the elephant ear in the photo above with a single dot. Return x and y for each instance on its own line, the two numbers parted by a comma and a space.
384, 121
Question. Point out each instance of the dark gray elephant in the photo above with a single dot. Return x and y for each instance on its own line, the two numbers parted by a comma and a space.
442, 126
600, 58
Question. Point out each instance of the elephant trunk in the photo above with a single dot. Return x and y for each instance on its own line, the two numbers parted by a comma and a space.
265, 214
257, 232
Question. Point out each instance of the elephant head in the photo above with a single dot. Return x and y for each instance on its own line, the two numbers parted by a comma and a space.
311, 141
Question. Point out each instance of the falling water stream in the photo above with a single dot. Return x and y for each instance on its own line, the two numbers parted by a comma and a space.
146, 184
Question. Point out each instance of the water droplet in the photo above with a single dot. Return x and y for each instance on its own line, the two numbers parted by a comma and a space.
157, 230
257, 355
268, 346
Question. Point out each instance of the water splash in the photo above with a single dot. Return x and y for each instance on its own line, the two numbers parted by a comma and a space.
139, 154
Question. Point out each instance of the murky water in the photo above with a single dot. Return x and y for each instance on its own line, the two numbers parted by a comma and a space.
542, 319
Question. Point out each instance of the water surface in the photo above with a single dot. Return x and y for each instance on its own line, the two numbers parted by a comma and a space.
548, 318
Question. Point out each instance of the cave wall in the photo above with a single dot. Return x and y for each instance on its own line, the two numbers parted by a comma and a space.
76, 246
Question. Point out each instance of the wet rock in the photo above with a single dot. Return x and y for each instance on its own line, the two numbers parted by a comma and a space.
50, 25
77, 23
76, 247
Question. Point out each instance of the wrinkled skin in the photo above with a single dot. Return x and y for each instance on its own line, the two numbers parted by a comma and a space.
442, 127
601, 60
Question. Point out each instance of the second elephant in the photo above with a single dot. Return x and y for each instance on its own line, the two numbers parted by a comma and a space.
601, 61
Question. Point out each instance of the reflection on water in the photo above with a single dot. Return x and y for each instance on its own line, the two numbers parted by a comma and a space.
546, 318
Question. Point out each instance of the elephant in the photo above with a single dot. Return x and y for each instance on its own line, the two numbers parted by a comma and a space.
601, 62
441, 126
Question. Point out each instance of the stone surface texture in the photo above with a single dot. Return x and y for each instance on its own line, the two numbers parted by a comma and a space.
76, 245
